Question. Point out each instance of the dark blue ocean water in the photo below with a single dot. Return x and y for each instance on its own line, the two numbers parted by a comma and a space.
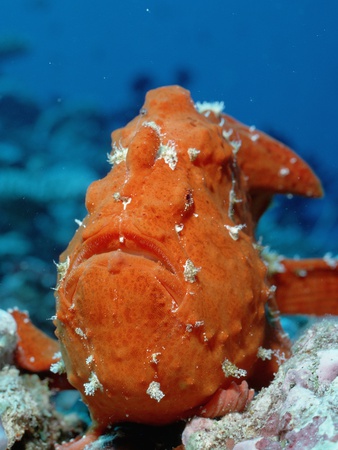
272, 63
71, 71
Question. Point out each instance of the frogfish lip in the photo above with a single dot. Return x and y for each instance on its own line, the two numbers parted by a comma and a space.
131, 245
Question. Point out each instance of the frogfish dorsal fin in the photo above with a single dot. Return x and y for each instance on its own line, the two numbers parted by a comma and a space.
270, 167
35, 350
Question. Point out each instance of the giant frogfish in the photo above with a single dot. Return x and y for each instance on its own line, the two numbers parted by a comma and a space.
166, 305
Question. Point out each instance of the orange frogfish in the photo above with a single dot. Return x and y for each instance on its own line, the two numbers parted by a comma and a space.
166, 307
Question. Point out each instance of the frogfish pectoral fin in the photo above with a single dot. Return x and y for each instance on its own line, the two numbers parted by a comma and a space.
308, 286
82, 442
233, 399
35, 350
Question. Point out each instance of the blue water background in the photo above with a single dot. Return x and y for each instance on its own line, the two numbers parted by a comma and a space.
75, 70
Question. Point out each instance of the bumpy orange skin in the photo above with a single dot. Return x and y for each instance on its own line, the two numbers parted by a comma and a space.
141, 339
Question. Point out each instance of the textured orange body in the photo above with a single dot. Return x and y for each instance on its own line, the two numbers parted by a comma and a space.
162, 293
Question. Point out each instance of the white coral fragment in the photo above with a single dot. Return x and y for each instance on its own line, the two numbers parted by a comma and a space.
93, 385
235, 145
165, 151
58, 367
190, 271
234, 230
119, 198
154, 391
79, 223
330, 260
268, 353
264, 353
254, 137
62, 269
119, 154
179, 227
153, 125
193, 153
215, 107
231, 370
168, 153
80, 333
227, 133
273, 261
125, 202
154, 357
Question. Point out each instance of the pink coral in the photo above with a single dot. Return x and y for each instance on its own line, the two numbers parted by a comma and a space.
328, 365
297, 411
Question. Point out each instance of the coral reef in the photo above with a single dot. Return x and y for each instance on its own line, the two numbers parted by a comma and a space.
27, 410
8, 338
12, 46
297, 411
